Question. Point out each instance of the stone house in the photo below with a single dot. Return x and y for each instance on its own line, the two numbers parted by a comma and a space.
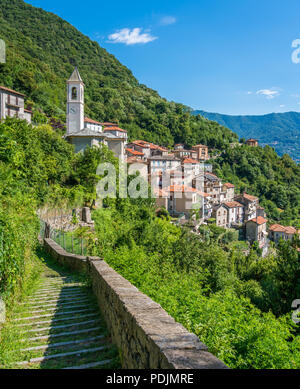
12, 105
252, 142
228, 190
256, 230
220, 213
235, 215
250, 205
182, 153
277, 232
202, 152
214, 187
163, 163
181, 199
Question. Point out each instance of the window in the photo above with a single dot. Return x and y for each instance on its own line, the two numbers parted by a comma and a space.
74, 93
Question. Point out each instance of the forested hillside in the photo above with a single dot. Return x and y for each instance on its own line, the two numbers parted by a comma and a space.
42, 50
279, 130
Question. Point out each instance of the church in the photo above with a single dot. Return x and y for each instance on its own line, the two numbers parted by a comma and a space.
82, 131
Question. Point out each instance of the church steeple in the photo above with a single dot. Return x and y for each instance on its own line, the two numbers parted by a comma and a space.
75, 76
75, 103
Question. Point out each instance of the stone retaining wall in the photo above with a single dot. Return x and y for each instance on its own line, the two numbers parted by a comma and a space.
147, 337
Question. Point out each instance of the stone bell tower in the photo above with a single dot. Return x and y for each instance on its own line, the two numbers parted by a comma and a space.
75, 103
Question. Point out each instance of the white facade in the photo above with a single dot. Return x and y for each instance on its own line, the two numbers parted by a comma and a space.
12, 105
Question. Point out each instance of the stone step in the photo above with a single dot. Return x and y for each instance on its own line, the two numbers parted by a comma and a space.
62, 334
60, 344
58, 299
90, 365
30, 305
56, 320
60, 295
63, 326
60, 292
50, 314
57, 309
64, 288
78, 352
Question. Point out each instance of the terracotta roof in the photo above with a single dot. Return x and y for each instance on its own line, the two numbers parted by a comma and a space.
233, 204
134, 152
88, 120
11, 90
251, 140
180, 188
134, 159
114, 129
290, 230
258, 220
199, 146
229, 185
250, 197
280, 228
27, 110
189, 160
277, 228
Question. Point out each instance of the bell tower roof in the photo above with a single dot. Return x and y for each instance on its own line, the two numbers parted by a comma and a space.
75, 77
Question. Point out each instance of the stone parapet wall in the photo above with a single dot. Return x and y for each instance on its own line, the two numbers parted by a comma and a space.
147, 337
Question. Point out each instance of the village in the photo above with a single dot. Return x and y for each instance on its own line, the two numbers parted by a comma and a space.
182, 179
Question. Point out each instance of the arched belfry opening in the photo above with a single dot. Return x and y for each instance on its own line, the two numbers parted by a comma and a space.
74, 93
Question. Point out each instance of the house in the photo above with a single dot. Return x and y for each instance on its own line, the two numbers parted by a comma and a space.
140, 165
84, 132
277, 232
178, 199
191, 169
182, 153
134, 153
256, 230
235, 215
214, 187
179, 146
202, 152
220, 213
260, 211
148, 149
252, 142
228, 190
115, 130
162, 163
12, 105
250, 205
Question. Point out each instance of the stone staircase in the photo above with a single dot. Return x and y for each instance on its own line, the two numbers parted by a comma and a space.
62, 327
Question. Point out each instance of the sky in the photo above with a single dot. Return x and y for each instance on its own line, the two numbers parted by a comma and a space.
234, 57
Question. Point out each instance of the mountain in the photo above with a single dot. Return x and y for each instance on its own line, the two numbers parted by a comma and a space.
279, 130
42, 50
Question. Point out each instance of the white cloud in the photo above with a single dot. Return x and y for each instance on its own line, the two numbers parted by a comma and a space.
268, 93
282, 106
167, 20
249, 93
131, 37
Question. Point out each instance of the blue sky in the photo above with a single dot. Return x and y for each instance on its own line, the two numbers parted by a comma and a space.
230, 56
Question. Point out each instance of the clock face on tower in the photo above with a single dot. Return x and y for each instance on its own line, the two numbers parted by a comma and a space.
73, 110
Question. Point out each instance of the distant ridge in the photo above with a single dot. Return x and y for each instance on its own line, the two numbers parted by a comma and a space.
279, 130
